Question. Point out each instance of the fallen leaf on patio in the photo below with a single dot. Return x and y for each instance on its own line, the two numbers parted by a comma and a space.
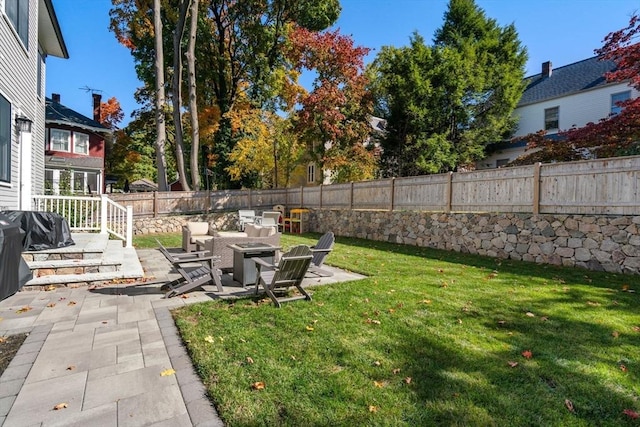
407, 380
377, 363
396, 371
104, 322
527, 354
623, 368
309, 328
3, 339
209, 338
258, 385
167, 372
530, 314
62, 299
631, 414
24, 309
184, 296
615, 334
569, 405
50, 288
72, 303
378, 384
51, 304
373, 408
249, 360
71, 367
60, 406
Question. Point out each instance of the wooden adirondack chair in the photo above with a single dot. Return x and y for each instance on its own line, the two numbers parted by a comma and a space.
196, 269
320, 251
290, 271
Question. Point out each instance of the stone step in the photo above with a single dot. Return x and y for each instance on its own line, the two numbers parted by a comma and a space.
114, 264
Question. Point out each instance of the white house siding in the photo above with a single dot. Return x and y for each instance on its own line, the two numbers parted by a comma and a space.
574, 110
18, 84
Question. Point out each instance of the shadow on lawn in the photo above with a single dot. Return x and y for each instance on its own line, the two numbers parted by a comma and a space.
460, 385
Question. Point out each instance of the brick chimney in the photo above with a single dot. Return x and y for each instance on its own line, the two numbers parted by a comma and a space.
547, 69
55, 97
97, 99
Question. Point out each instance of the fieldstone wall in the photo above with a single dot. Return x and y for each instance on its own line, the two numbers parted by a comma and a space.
173, 224
609, 243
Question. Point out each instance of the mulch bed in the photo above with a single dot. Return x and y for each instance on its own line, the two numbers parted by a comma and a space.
9, 346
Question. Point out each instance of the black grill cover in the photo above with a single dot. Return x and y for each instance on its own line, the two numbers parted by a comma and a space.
43, 230
14, 271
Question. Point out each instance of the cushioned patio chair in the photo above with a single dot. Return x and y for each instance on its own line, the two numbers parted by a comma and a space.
196, 269
193, 231
289, 271
246, 216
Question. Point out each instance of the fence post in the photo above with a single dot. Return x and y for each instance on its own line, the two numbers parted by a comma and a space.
103, 214
536, 188
393, 194
449, 194
155, 204
129, 232
351, 197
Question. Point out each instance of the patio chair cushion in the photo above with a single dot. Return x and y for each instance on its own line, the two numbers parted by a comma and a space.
198, 228
267, 231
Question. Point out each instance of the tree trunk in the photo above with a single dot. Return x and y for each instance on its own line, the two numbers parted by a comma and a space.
161, 134
193, 104
177, 93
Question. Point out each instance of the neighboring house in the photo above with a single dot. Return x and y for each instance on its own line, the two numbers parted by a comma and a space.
315, 175
142, 186
569, 96
74, 149
29, 32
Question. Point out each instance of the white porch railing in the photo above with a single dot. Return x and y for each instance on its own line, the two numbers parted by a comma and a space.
90, 214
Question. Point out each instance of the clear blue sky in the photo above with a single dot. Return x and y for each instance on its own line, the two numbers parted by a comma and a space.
560, 31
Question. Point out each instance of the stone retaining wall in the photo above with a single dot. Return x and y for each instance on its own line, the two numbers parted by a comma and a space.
173, 224
609, 243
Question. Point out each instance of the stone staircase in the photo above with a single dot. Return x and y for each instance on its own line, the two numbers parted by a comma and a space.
93, 260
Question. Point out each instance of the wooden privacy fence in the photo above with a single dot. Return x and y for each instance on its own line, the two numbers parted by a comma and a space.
609, 186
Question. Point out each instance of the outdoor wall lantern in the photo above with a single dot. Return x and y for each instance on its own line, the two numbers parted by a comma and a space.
23, 123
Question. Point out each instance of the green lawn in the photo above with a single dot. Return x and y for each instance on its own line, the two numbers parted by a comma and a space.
430, 338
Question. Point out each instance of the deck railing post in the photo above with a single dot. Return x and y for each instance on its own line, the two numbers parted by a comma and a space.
129, 230
103, 214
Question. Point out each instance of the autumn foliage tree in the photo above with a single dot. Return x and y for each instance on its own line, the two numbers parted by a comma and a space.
334, 116
615, 135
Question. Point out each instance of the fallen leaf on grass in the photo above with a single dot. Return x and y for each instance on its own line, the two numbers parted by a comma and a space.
623, 368
530, 314
636, 328
407, 380
593, 304
426, 301
378, 384
209, 338
569, 405
259, 385
375, 322
501, 322
396, 371
512, 364
631, 414
527, 354
377, 363
615, 334
24, 309
373, 409
249, 360
167, 372
60, 406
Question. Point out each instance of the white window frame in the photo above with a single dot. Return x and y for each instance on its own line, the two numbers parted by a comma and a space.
5, 154
311, 173
76, 144
624, 96
19, 32
548, 122
52, 147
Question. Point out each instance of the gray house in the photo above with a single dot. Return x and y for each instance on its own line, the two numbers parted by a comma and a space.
29, 32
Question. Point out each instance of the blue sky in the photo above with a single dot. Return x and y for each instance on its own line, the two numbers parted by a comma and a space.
560, 31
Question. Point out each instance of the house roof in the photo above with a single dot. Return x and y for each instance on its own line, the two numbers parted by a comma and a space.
563, 81
57, 113
143, 184
49, 33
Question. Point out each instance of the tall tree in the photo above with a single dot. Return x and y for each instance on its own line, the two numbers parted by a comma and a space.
446, 102
161, 136
193, 95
